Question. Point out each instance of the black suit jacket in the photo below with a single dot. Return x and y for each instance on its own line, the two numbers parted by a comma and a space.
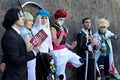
15, 56
82, 47
82, 40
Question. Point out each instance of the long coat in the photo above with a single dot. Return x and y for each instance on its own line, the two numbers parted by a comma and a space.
97, 53
15, 56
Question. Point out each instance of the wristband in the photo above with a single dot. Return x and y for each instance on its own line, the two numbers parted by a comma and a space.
71, 47
54, 39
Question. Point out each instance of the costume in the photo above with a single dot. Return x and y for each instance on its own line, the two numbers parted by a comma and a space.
43, 59
109, 56
83, 43
17, 45
26, 35
105, 58
15, 54
61, 54
32, 63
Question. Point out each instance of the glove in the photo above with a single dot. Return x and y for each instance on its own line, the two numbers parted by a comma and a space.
90, 48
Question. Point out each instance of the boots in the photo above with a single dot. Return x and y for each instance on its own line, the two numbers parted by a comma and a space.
61, 77
107, 78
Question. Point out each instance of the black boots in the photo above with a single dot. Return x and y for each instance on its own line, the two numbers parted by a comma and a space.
61, 77
107, 78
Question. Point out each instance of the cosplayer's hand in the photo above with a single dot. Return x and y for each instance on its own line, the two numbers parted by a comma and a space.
96, 41
73, 44
90, 48
52, 62
95, 47
62, 30
106, 37
93, 43
50, 53
2, 67
36, 48
102, 49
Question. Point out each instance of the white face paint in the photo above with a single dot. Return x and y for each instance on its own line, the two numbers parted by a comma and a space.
60, 21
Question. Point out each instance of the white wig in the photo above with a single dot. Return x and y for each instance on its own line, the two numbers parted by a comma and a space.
38, 25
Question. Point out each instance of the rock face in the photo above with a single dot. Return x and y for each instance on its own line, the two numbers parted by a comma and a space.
77, 10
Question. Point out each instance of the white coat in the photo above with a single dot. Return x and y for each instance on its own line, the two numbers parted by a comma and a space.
97, 53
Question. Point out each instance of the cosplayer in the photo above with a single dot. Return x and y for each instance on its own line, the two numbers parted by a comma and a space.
104, 54
46, 48
85, 50
26, 35
15, 52
61, 54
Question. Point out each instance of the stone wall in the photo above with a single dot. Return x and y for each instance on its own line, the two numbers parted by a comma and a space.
77, 10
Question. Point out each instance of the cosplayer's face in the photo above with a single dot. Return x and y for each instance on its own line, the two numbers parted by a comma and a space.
60, 21
29, 24
44, 20
20, 21
102, 29
87, 24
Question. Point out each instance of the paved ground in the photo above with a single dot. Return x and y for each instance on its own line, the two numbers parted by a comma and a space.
70, 73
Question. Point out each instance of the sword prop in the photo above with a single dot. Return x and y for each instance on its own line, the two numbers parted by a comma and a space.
86, 68
94, 68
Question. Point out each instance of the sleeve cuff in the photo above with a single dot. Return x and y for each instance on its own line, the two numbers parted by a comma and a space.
34, 53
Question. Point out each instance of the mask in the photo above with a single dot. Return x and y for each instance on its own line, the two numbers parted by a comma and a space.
60, 21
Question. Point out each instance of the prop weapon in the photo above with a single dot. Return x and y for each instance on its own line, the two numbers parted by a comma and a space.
86, 68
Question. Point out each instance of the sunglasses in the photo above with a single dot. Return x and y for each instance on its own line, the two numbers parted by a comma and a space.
103, 27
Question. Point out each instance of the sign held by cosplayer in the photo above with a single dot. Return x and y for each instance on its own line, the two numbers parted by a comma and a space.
38, 38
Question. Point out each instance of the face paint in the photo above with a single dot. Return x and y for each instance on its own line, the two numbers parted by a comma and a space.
60, 21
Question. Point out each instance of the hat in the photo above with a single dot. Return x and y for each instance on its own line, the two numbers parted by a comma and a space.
43, 12
60, 13
103, 22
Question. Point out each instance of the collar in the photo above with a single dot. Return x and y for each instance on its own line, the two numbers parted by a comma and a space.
83, 29
86, 32
17, 30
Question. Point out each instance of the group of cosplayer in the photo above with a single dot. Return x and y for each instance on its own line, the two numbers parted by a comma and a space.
23, 61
